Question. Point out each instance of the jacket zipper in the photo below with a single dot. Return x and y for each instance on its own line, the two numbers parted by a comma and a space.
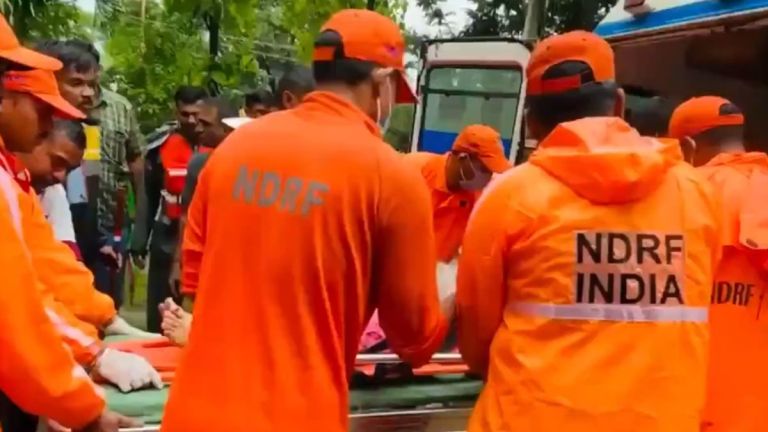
760, 305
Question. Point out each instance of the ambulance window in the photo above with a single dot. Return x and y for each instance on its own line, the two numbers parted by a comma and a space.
455, 97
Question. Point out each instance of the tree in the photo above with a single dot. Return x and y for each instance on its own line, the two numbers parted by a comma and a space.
44, 19
230, 45
151, 57
507, 17
304, 17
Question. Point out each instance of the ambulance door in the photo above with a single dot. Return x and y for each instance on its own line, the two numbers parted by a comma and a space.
468, 81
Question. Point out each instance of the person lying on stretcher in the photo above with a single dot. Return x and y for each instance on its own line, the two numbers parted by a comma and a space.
177, 322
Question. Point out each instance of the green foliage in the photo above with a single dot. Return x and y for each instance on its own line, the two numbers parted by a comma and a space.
154, 46
34, 20
399, 133
150, 58
305, 17
507, 17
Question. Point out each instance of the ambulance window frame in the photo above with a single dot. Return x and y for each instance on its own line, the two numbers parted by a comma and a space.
426, 91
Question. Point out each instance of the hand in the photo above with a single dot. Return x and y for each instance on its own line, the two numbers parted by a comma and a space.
109, 421
110, 252
446, 287
127, 371
119, 326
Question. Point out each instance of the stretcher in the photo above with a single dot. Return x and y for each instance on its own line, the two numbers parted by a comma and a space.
421, 403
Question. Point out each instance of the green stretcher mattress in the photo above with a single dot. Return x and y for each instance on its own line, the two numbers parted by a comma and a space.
445, 390
147, 405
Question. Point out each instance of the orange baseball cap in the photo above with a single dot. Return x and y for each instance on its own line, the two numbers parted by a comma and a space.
485, 142
42, 85
368, 36
701, 114
11, 49
575, 46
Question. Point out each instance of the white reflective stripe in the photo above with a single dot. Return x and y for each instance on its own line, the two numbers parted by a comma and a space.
611, 312
12, 198
177, 172
79, 373
72, 333
171, 198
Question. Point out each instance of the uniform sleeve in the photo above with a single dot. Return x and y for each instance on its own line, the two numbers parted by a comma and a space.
404, 280
196, 165
36, 372
68, 280
194, 238
81, 338
481, 288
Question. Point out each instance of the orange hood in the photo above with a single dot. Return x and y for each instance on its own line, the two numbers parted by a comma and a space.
745, 163
604, 160
742, 179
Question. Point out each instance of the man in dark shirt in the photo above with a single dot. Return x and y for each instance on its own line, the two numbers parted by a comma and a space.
291, 89
217, 119
166, 170
295, 83
258, 103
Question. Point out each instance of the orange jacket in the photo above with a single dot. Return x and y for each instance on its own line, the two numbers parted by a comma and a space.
56, 258
583, 287
738, 378
36, 372
450, 210
295, 241
68, 280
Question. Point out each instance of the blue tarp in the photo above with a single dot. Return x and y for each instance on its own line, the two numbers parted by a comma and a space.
440, 142
676, 15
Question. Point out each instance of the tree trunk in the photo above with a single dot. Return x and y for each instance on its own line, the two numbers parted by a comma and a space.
371, 5
535, 15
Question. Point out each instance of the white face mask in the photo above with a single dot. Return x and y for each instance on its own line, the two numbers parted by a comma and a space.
477, 181
384, 121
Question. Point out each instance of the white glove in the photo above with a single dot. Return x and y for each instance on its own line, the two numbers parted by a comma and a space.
119, 326
446, 287
127, 371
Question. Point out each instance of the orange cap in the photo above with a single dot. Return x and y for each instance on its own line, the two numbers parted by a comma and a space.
484, 142
701, 114
42, 85
368, 36
11, 49
577, 46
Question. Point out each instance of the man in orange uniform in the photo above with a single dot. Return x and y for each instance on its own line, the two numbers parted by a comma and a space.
738, 379
585, 273
302, 223
67, 285
37, 373
455, 180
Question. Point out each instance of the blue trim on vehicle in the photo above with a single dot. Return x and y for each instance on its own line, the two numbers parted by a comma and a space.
441, 142
687, 13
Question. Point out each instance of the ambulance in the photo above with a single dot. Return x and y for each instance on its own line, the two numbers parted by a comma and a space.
463, 81
677, 49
